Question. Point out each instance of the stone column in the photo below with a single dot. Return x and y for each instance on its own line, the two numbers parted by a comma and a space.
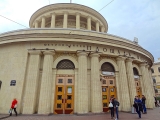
82, 86
65, 20
131, 82
43, 22
97, 26
146, 85
36, 24
96, 89
77, 20
149, 87
125, 104
89, 23
53, 20
32, 80
46, 84
102, 29
118, 90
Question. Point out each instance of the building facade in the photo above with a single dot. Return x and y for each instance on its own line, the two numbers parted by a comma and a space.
156, 76
67, 63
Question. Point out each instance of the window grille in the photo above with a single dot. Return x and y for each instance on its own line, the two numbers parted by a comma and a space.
107, 67
65, 64
152, 70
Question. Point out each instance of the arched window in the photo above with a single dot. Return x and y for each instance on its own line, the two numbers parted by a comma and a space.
135, 71
0, 84
65, 64
107, 67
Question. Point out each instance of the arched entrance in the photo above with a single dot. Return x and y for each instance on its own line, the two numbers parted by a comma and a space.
137, 82
108, 84
64, 93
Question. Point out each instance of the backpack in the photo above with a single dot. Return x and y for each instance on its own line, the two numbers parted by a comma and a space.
117, 103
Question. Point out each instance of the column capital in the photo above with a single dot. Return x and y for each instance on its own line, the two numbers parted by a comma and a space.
88, 17
53, 13
36, 21
48, 52
129, 60
143, 64
94, 55
77, 13
81, 53
35, 52
97, 21
120, 58
43, 17
65, 12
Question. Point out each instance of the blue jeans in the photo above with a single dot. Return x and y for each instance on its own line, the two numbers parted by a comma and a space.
144, 108
117, 112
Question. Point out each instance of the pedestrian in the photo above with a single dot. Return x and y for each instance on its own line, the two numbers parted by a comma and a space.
116, 105
111, 107
144, 104
14, 106
138, 106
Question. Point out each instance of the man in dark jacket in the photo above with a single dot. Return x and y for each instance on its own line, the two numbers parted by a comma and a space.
144, 104
138, 106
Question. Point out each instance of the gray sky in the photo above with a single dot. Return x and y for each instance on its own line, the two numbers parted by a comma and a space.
126, 18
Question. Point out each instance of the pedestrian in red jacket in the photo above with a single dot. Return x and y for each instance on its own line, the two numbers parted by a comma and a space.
14, 106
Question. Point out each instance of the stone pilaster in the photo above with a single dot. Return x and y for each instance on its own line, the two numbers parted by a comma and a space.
65, 20
118, 90
43, 23
32, 80
36, 24
82, 86
77, 20
125, 105
131, 82
76, 90
46, 84
97, 26
53, 19
89, 23
96, 89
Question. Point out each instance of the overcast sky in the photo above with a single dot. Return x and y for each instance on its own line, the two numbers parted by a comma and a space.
126, 18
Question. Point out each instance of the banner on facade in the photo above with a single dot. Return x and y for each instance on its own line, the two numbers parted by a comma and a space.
107, 73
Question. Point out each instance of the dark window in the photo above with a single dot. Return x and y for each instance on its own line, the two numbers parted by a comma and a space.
107, 67
104, 81
69, 80
103, 89
135, 71
59, 97
58, 105
152, 70
104, 97
65, 64
0, 84
159, 69
69, 97
59, 89
68, 105
156, 91
154, 80
111, 81
105, 105
13, 83
60, 80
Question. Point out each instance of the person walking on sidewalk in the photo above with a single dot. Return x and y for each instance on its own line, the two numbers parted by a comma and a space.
138, 106
14, 106
144, 104
116, 105
111, 107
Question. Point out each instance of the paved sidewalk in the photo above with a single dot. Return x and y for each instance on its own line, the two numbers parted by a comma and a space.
151, 115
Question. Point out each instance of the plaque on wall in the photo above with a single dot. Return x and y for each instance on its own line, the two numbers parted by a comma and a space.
13, 83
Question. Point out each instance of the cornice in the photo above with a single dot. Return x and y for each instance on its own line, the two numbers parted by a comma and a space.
68, 6
91, 37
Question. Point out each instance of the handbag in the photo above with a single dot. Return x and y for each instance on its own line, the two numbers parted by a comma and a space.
110, 105
15, 106
10, 111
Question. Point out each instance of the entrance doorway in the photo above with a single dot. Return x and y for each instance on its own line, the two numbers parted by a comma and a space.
108, 91
64, 94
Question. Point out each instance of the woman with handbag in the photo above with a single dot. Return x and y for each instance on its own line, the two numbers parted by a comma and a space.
14, 106
111, 107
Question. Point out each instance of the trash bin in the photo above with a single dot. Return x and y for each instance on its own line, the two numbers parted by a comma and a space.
133, 110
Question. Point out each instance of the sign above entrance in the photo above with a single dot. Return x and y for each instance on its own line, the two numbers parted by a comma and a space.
107, 73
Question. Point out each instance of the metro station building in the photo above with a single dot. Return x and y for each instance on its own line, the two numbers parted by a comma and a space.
66, 63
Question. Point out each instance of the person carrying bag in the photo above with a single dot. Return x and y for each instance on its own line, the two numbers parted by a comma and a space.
111, 107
